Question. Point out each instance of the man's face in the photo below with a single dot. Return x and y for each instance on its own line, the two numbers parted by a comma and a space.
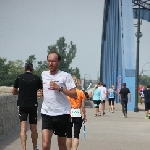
53, 62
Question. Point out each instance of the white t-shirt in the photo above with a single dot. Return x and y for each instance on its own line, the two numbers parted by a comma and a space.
103, 92
55, 102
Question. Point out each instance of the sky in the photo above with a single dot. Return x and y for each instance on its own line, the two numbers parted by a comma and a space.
29, 27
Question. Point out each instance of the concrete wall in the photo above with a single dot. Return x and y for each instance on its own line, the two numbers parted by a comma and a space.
9, 112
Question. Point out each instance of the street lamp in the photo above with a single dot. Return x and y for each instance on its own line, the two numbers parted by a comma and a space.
144, 66
98, 75
137, 62
84, 79
143, 4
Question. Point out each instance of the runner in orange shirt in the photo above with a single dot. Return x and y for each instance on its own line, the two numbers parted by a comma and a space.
77, 112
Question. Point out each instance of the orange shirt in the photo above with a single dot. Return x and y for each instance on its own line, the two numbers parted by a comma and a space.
76, 103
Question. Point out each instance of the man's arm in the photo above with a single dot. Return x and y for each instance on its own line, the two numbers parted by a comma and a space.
129, 95
70, 89
15, 88
15, 91
119, 95
71, 93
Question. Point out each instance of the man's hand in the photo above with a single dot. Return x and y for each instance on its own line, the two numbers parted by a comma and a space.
39, 93
54, 86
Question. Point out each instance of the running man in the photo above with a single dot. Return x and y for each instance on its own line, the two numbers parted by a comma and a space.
77, 112
124, 95
57, 85
103, 91
111, 98
28, 85
147, 102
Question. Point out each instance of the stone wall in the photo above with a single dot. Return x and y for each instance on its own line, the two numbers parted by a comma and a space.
5, 89
9, 112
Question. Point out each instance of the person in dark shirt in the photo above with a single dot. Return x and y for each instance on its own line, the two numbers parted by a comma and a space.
147, 102
28, 85
124, 94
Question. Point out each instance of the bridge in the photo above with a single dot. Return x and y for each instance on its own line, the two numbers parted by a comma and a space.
119, 57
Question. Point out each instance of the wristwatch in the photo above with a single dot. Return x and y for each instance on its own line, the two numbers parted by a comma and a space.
60, 89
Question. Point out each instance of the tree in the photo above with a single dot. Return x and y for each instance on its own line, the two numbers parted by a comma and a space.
41, 66
9, 71
3, 71
15, 68
68, 53
32, 60
144, 80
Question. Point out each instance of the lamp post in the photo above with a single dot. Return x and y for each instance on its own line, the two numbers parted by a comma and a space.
137, 62
84, 79
144, 66
98, 75
144, 4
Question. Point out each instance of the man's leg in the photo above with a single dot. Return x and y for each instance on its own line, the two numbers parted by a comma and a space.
47, 131
146, 110
46, 139
69, 143
62, 143
61, 128
23, 135
33, 126
34, 135
126, 109
23, 113
122, 103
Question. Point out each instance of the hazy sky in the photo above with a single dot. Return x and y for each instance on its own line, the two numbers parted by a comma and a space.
28, 27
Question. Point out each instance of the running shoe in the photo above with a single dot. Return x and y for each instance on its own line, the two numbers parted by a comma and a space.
99, 114
36, 148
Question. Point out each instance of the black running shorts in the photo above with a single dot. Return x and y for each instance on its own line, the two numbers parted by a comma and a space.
59, 124
25, 111
77, 123
96, 103
111, 100
147, 106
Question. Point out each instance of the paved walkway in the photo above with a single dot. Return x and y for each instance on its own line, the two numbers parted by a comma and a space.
109, 132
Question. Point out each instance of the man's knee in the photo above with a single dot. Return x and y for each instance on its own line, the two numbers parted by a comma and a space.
62, 143
45, 145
